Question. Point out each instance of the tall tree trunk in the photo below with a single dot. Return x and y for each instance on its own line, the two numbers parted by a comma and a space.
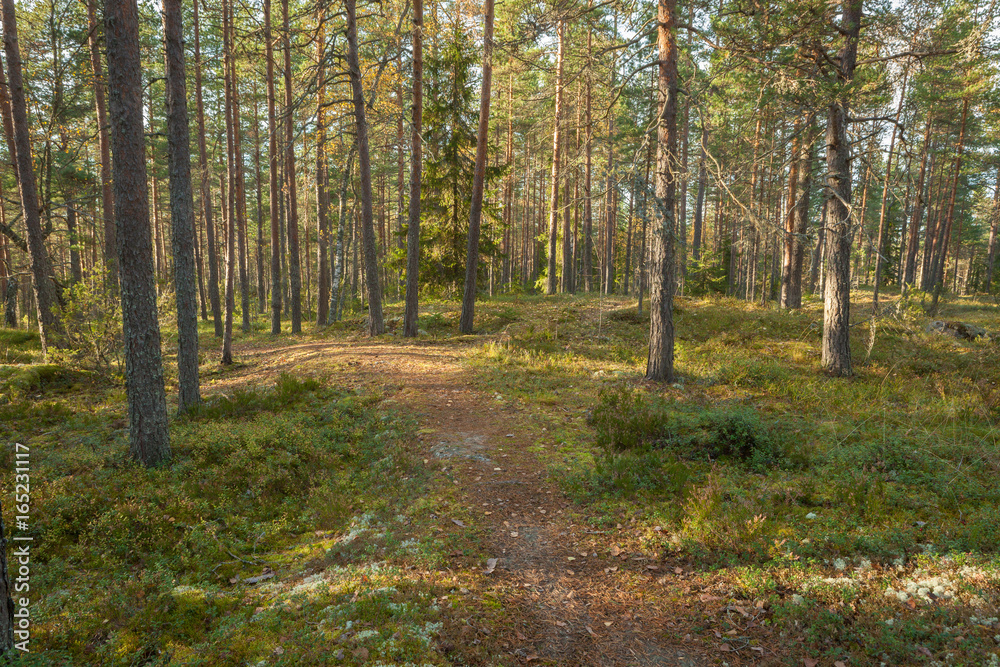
699, 206
147, 405
909, 270
991, 248
941, 249
181, 207
376, 326
660, 364
322, 179
261, 284
239, 178
836, 351
799, 186
206, 185
337, 293
292, 219
107, 200
274, 193
479, 176
550, 281
884, 206
588, 215
49, 327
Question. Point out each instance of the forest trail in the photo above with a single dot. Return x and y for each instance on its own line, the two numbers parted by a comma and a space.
576, 597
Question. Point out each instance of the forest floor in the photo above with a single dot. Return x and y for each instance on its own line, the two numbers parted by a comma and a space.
523, 496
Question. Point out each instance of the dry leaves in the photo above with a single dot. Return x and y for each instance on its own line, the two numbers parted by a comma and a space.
457, 522
491, 564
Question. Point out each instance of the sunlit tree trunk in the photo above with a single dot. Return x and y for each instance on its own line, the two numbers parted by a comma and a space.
274, 194
909, 270
991, 248
107, 200
416, 164
884, 207
206, 185
322, 178
292, 219
147, 406
376, 326
49, 327
836, 348
181, 207
660, 364
799, 186
479, 176
551, 281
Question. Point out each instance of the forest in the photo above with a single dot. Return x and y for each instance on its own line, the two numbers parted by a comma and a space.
568, 332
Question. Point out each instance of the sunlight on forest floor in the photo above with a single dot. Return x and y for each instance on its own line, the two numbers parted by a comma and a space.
314, 512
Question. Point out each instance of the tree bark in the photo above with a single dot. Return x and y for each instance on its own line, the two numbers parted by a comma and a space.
322, 179
49, 327
206, 185
107, 200
909, 271
588, 213
991, 247
147, 406
292, 219
274, 194
479, 176
884, 205
660, 364
550, 280
416, 164
376, 326
799, 185
181, 207
836, 350
944, 239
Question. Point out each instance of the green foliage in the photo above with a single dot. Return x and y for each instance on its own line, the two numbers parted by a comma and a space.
93, 320
625, 420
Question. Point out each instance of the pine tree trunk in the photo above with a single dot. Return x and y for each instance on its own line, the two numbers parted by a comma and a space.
836, 350
884, 206
799, 186
941, 247
147, 406
292, 219
376, 326
206, 185
588, 214
479, 175
238, 185
181, 207
261, 283
107, 200
660, 364
274, 194
909, 270
550, 281
991, 248
416, 164
50, 328
322, 179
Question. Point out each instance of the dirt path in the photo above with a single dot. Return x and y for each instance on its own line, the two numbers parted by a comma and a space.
575, 596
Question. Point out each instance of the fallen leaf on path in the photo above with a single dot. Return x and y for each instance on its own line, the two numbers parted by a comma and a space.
840, 663
560, 624
460, 524
361, 653
678, 570
513, 533
810, 662
725, 647
607, 624
925, 651
590, 630
491, 564
615, 550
